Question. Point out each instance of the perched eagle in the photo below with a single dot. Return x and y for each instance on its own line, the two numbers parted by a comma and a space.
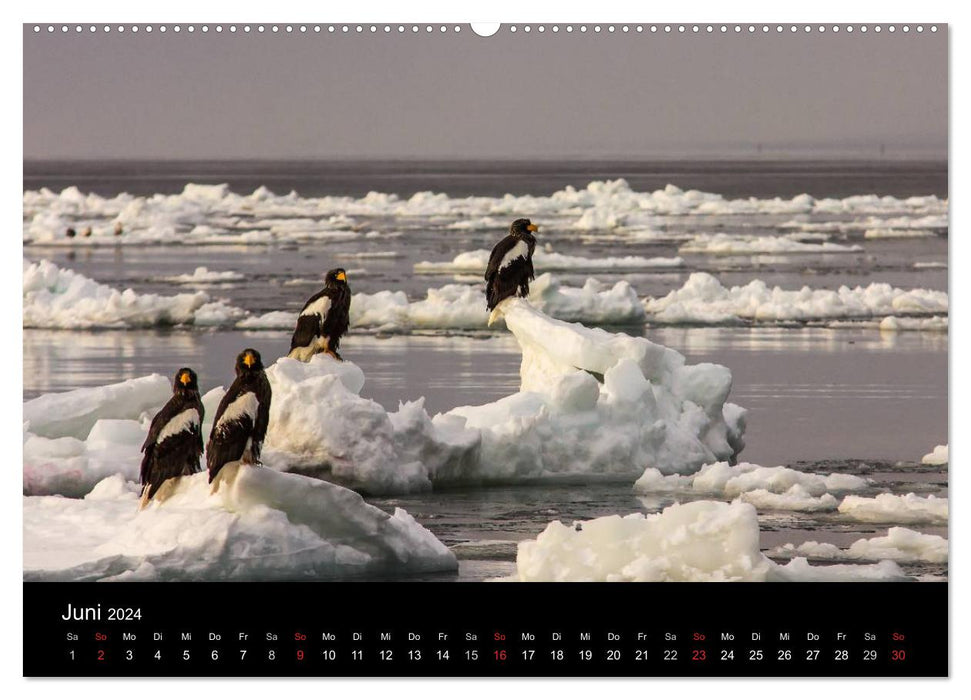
323, 320
174, 443
511, 264
242, 417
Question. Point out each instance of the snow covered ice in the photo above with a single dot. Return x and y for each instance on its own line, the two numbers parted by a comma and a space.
899, 544
74, 439
213, 214
74, 413
703, 299
698, 541
59, 298
259, 525
893, 508
203, 275
936, 456
767, 488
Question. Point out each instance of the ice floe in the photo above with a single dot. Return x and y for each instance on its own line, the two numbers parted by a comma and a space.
203, 275
899, 544
74, 439
767, 488
475, 261
213, 214
922, 226
939, 455
58, 298
698, 541
74, 413
893, 508
703, 299
259, 524
462, 307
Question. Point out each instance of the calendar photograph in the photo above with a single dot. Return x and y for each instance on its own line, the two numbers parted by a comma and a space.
532, 303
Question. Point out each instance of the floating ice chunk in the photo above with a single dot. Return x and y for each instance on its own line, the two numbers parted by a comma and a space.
698, 541
767, 488
796, 498
259, 525
891, 508
203, 275
72, 467
319, 425
800, 570
703, 299
476, 261
900, 544
59, 298
725, 244
74, 413
937, 456
565, 423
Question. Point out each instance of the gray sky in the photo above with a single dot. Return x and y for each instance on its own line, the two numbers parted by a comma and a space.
507, 96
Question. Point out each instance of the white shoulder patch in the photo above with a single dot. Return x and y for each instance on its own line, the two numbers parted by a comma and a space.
520, 250
182, 422
321, 307
245, 405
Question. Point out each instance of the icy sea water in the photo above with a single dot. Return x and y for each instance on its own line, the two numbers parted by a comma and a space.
849, 400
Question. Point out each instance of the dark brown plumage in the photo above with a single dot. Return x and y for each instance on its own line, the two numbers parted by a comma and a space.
174, 443
323, 320
242, 417
510, 266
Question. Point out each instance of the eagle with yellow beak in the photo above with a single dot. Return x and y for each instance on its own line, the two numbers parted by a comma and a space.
511, 264
242, 417
323, 320
174, 443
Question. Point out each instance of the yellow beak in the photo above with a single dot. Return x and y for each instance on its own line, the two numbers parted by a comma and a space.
248, 360
341, 276
532, 227
185, 378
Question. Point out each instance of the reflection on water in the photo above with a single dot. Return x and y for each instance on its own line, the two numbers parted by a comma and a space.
447, 371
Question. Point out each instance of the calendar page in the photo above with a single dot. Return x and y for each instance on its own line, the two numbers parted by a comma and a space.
530, 349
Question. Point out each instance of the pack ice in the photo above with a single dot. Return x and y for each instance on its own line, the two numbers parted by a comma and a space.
697, 541
767, 488
213, 214
460, 306
703, 299
59, 298
260, 524
592, 405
